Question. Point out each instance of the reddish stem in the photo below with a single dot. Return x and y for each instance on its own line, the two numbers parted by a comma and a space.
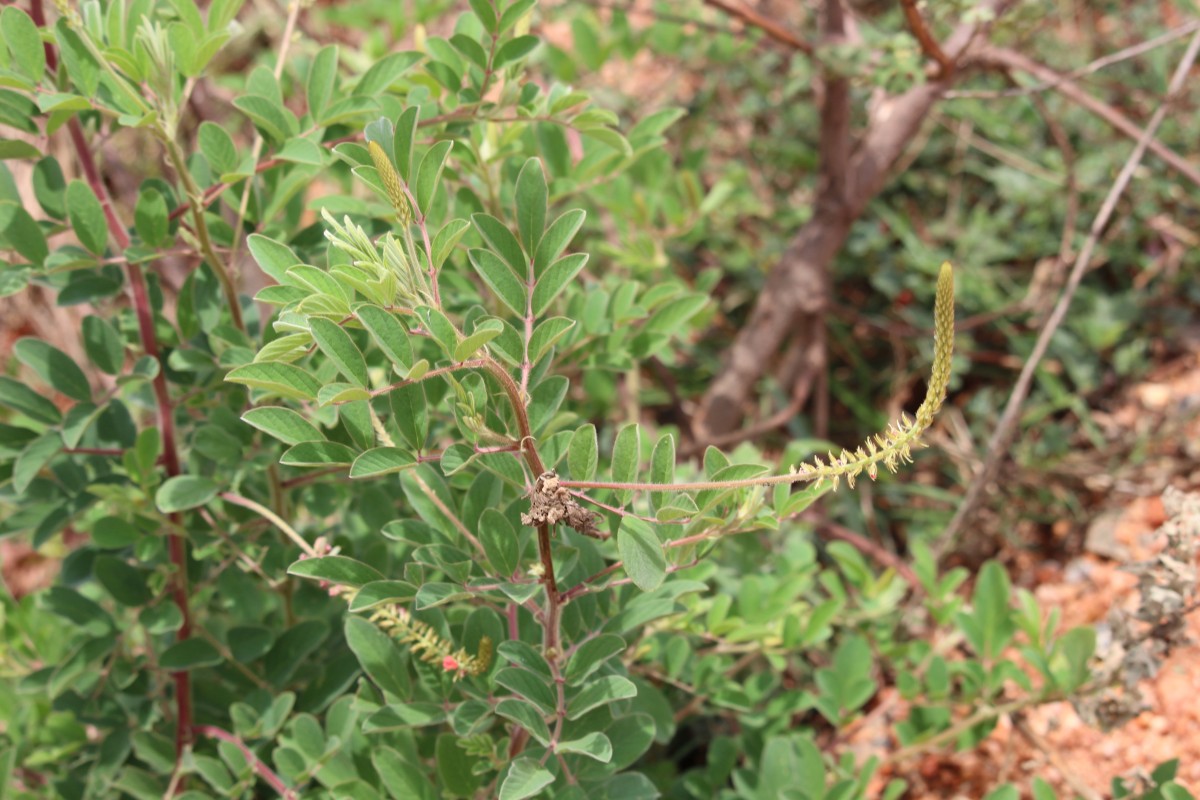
266, 773
166, 419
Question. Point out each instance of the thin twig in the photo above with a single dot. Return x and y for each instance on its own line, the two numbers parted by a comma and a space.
1077, 785
278, 521
767, 26
266, 773
176, 546
1001, 438
929, 45
875, 552
1087, 69
1010, 59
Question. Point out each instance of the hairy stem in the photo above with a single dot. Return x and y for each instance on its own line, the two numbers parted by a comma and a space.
195, 200
266, 773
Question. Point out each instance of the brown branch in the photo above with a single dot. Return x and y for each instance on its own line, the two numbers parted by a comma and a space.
929, 45
875, 552
1117, 57
1002, 436
768, 26
1003, 58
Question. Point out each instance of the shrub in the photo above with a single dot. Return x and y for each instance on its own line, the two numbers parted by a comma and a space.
353, 538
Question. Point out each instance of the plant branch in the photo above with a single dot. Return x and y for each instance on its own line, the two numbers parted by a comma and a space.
274, 518
929, 45
1095, 66
1010, 59
1002, 436
176, 546
194, 198
774, 30
266, 773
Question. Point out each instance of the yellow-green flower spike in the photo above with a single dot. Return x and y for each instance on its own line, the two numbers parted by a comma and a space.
391, 181
894, 445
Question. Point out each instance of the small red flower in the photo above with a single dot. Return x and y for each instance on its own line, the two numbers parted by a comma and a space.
450, 664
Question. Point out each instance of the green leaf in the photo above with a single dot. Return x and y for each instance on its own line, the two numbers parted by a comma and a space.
582, 453
432, 595
125, 583
791, 763
602, 691
556, 239
322, 80
183, 492
33, 457
610, 138
22, 233
217, 146
337, 345
378, 593
991, 615
386, 71
560, 273
382, 461
515, 49
388, 333
15, 148
151, 218
594, 745
642, 552
525, 778
24, 400
272, 119
429, 174
499, 279
513, 12
501, 240
484, 332
379, 656
626, 453
50, 187
440, 328
114, 533
527, 716
546, 334
499, 542
486, 11
662, 468
278, 378
160, 619
404, 780
531, 687
302, 151
403, 141
87, 217
24, 42
471, 49
103, 344
193, 653
446, 239
54, 367
335, 569
77, 58
590, 656
317, 454
283, 423
531, 200
409, 413
274, 258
